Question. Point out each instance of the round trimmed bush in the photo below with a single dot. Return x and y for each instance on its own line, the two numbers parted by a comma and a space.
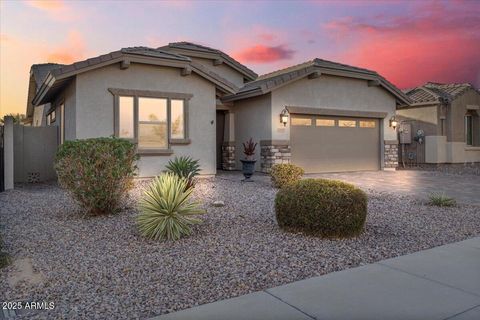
320, 207
285, 174
97, 172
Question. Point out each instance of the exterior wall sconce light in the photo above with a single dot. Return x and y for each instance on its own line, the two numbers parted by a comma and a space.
284, 117
393, 123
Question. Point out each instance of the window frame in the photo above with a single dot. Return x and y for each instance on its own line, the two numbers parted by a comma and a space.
468, 116
339, 121
136, 94
365, 121
61, 106
292, 121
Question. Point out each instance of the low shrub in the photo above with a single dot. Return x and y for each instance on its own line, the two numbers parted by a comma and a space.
165, 209
441, 200
321, 207
184, 167
285, 174
97, 172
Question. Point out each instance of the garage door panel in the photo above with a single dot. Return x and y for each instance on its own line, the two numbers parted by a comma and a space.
322, 147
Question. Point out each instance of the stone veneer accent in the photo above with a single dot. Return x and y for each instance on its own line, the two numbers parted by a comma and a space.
274, 152
391, 154
228, 156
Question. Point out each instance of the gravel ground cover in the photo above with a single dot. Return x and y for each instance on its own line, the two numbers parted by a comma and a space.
100, 268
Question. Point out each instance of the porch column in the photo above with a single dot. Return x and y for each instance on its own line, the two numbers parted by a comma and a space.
228, 148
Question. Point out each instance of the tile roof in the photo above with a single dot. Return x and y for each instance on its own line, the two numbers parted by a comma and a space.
432, 92
200, 48
60, 73
40, 71
142, 51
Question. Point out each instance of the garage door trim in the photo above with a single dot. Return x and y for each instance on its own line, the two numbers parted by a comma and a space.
336, 112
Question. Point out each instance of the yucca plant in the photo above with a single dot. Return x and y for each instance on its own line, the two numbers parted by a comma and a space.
184, 167
441, 200
165, 209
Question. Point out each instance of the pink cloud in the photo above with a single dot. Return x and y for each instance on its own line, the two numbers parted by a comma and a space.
260, 53
434, 43
58, 10
73, 49
46, 5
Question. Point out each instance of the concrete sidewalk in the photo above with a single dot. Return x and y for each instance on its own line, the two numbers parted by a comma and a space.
439, 283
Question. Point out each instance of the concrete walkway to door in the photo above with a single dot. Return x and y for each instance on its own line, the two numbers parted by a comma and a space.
440, 283
419, 184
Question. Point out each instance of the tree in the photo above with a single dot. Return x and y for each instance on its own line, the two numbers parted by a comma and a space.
17, 117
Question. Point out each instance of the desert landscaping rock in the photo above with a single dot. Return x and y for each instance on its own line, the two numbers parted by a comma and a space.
218, 203
101, 268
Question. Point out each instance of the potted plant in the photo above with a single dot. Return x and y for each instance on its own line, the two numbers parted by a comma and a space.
248, 164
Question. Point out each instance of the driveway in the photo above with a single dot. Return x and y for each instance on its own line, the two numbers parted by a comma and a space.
419, 184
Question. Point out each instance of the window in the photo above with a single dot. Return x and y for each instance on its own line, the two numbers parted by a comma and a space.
152, 123
126, 123
367, 123
51, 117
154, 120
177, 122
347, 123
325, 122
301, 122
468, 130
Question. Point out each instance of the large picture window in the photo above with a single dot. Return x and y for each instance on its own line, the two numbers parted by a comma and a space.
126, 123
177, 122
153, 120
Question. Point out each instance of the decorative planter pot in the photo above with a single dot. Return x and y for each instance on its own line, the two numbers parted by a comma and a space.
248, 168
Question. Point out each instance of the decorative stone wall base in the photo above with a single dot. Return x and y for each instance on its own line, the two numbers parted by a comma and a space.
274, 152
228, 156
391, 154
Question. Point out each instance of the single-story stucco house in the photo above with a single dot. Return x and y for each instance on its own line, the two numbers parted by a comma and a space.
188, 99
448, 115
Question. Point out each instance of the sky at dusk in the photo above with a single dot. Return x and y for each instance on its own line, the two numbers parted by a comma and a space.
407, 42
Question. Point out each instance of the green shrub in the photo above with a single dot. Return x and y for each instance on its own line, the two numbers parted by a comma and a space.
441, 200
184, 167
321, 207
165, 212
285, 174
97, 172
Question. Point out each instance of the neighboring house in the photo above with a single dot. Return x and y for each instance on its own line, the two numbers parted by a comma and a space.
448, 114
37, 115
187, 99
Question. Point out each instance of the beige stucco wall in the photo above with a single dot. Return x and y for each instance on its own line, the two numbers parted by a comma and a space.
95, 105
34, 152
222, 70
252, 120
472, 154
334, 93
69, 99
39, 119
435, 149
427, 118
456, 116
